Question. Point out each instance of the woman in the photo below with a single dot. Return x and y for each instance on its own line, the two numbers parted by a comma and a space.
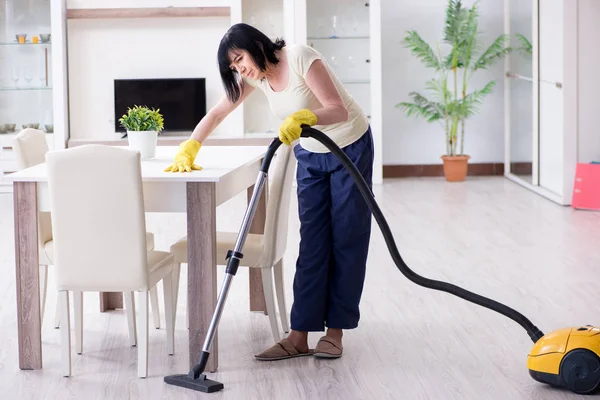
335, 220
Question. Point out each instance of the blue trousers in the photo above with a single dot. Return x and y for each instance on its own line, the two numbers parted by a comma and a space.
335, 230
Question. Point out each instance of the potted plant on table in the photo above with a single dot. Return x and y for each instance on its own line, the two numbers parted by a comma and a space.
143, 126
446, 104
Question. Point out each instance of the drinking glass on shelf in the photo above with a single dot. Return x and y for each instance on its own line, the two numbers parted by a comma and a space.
28, 75
334, 22
14, 74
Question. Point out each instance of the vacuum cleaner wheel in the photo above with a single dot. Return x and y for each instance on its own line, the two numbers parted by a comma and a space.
580, 369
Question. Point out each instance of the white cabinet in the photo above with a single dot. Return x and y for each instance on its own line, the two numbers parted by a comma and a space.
26, 74
551, 40
557, 52
348, 34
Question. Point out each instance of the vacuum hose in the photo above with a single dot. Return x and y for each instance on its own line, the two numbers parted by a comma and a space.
534, 333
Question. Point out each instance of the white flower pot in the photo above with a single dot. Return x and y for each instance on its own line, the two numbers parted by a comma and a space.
144, 142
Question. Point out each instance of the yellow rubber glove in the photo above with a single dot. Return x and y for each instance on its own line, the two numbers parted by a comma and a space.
291, 129
184, 159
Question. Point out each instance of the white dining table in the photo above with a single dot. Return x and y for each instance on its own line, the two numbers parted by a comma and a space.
227, 171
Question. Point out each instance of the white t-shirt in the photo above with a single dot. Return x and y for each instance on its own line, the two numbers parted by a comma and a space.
297, 95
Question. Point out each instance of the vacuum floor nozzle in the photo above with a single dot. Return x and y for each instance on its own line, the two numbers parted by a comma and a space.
200, 384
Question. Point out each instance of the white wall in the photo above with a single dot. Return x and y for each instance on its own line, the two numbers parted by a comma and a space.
589, 84
103, 50
414, 141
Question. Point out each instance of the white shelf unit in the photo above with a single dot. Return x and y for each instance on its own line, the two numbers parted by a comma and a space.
26, 76
348, 34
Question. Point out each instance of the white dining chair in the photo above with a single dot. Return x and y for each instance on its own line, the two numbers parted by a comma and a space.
99, 233
30, 147
264, 251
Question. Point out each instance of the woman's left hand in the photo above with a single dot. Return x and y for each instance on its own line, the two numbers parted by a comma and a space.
291, 128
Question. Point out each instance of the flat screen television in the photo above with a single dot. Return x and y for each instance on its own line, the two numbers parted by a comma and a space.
182, 101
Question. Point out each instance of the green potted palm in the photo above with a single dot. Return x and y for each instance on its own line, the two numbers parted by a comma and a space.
143, 126
526, 46
449, 101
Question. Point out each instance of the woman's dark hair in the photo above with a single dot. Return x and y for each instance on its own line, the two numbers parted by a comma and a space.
257, 44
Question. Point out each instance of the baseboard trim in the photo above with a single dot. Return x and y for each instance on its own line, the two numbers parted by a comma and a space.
432, 170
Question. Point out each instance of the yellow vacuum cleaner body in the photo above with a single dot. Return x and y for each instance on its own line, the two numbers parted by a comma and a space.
569, 358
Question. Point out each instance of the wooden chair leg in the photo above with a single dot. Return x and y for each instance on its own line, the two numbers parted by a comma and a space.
267, 281
143, 337
65, 333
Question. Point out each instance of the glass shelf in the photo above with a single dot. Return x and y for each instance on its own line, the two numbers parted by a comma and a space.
24, 88
28, 44
337, 37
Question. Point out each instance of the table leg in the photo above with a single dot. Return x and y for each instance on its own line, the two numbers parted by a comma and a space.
202, 269
257, 295
27, 268
110, 301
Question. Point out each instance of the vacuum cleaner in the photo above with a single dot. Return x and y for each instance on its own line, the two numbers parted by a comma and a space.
567, 358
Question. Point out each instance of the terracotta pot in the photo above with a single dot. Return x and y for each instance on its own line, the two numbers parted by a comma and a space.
455, 168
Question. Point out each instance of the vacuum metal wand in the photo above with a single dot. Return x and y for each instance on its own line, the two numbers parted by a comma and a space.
234, 258
196, 379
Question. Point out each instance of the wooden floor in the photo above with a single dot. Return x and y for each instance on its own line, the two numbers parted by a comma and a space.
487, 234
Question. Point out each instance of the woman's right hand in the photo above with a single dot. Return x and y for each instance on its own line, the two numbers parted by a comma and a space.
184, 159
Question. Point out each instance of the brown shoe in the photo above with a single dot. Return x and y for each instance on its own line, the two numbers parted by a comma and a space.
281, 351
328, 348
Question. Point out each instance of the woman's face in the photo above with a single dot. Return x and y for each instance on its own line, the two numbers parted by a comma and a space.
241, 61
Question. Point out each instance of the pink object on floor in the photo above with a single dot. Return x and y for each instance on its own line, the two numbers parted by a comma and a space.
586, 190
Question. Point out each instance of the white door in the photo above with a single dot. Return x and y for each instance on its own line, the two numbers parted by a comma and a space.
551, 138
551, 37
551, 110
